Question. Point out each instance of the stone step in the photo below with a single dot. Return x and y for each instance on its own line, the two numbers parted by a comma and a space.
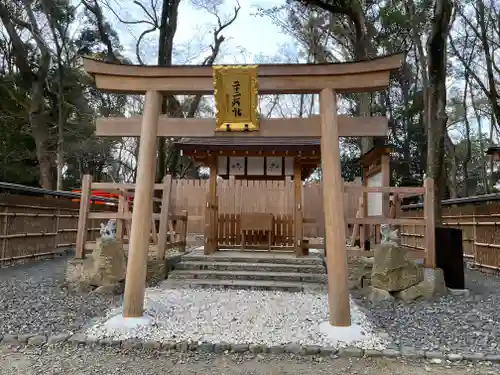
249, 275
289, 286
254, 258
263, 267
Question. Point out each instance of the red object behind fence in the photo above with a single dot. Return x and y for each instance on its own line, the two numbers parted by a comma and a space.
99, 193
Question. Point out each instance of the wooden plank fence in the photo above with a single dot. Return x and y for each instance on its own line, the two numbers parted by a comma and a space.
238, 196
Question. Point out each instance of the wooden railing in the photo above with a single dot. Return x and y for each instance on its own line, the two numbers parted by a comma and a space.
167, 230
229, 232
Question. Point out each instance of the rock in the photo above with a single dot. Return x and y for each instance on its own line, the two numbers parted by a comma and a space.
373, 353
392, 270
360, 269
151, 345
326, 351
255, 348
109, 261
350, 352
10, 340
410, 294
294, 349
57, 339
106, 266
276, 349
182, 346
312, 349
378, 295
132, 344
411, 352
474, 356
459, 292
433, 283
391, 353
24, 338
206, 347
108, 290
221, 347
78, 338
455, 357
436, 361
37, 340
492, 358
156, 271
239, 348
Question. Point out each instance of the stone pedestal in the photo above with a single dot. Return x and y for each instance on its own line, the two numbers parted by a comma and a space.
392, 270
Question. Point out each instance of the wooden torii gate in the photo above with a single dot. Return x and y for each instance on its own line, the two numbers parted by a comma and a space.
325, 79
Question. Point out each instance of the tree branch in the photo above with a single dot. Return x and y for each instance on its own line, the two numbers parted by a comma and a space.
215, 47
96, 10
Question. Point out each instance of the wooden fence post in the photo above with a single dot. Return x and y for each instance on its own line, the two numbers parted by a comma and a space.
184, 228
81, 235
474, 236
5, 230
298, 215
430, 224
121, 209
164, 217
356, 227
56, 237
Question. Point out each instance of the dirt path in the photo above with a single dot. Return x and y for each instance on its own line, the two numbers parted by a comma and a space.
73, 361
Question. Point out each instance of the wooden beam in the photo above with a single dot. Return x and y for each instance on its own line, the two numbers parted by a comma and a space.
333, 201
135, 281
364, 82
369, 75
382, 63
273, 127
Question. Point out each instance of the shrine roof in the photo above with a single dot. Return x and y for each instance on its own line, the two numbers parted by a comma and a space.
373, 154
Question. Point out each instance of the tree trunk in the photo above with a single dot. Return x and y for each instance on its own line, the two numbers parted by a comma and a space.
484, 174
168, 27
452, 171
438, 118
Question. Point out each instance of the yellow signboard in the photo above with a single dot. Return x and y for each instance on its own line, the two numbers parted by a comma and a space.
235, 92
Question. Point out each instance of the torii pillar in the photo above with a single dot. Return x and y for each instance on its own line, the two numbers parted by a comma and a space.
333, 202
135, 280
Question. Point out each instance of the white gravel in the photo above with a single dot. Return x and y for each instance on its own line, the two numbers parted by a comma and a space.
33, 300
237, 317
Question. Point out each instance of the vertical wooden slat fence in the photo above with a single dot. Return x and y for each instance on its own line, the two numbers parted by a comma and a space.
478, 221
32, 226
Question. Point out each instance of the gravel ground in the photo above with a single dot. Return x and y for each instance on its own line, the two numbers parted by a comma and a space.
451, 323
236, 317
33, 300
85, 361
